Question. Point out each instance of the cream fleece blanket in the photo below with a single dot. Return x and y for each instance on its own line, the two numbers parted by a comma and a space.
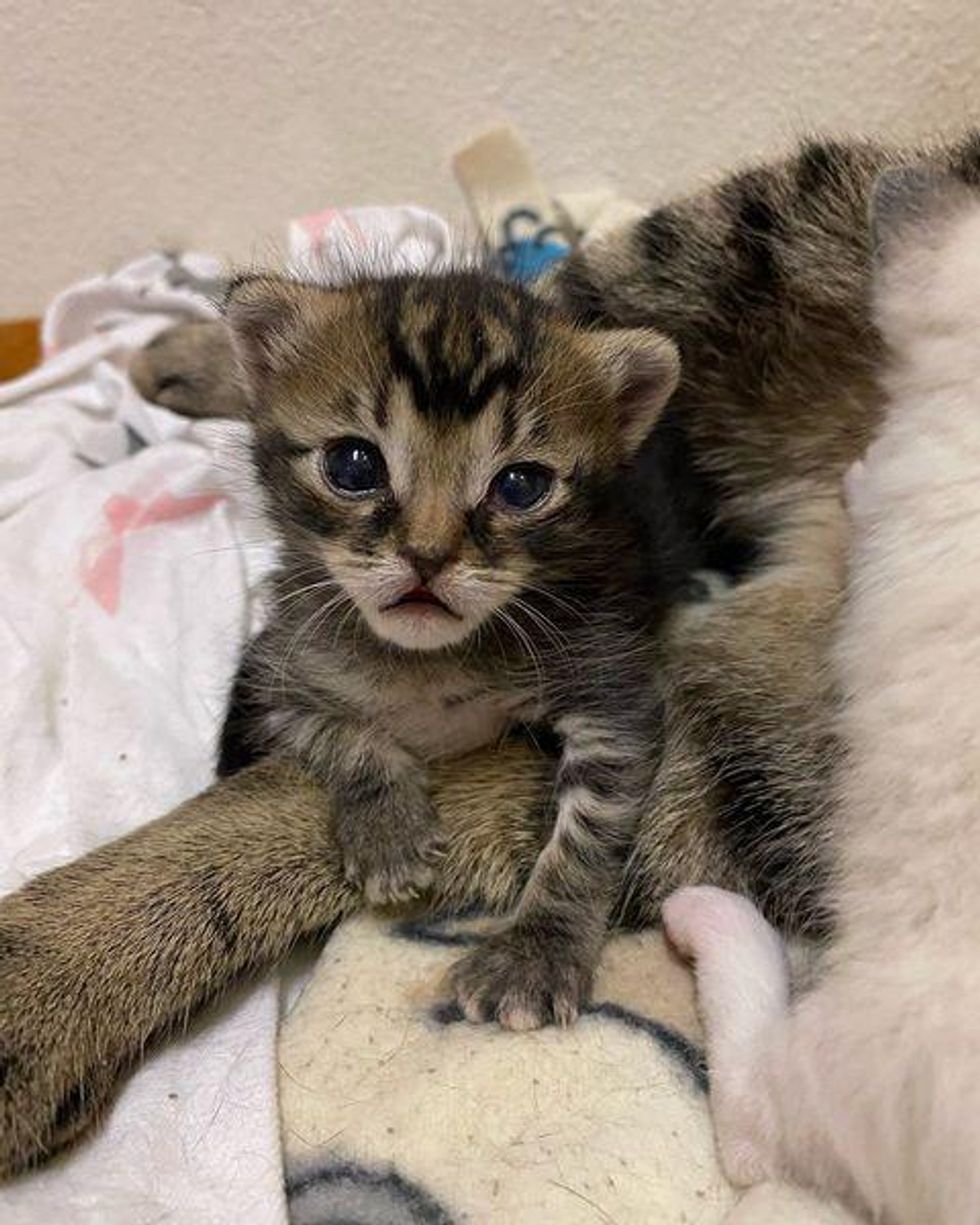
396, 1111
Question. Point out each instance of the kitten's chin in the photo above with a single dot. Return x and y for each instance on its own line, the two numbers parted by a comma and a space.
418, 627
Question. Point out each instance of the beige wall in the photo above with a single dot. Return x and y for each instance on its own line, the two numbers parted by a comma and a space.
210, 122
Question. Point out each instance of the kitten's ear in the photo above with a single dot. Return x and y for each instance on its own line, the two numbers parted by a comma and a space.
643, 368
269, 318
910, 205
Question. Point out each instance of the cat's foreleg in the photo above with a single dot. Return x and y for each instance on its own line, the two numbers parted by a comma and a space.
540, 967
383, 813
106, 956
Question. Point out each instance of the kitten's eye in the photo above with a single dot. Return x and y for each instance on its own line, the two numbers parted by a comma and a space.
521, 486
354, 466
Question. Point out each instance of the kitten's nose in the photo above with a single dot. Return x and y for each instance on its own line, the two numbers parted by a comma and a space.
426, 565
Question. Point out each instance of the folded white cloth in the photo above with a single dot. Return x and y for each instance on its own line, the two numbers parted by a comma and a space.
115, 516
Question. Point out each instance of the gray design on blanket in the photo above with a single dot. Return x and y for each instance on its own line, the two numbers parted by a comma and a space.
393, 1105
450, 934
346, 1193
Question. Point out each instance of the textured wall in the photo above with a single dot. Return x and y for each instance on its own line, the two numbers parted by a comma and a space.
212, 121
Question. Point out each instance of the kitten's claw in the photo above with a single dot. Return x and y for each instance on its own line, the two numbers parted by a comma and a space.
388, 872
400, 884
521, 980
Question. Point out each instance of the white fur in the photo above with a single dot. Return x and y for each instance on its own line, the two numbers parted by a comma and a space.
869, 1086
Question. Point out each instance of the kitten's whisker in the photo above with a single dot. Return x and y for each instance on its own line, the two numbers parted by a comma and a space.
575, 607
526, 643
321, 585
305, 631
315, 623
343, 621
548, 629
230, 548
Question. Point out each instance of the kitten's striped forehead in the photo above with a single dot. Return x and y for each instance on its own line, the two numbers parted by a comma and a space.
459, 343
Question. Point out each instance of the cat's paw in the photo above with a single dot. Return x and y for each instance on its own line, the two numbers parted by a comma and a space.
397, 863
522, 979
191, 370
51, 1090
743, 992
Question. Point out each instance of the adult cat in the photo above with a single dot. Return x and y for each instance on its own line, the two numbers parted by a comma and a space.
868, 1085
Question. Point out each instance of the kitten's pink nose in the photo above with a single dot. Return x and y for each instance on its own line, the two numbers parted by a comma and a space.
426, 565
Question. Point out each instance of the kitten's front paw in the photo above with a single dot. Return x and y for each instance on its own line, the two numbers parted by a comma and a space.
394, 864
523, 979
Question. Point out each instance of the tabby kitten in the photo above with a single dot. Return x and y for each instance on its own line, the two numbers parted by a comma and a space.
445, 459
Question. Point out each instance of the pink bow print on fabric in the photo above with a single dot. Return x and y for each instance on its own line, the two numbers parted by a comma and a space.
317, 226
102, 570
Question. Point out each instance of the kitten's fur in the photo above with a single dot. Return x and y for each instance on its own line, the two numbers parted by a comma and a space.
869, 1086
548, 611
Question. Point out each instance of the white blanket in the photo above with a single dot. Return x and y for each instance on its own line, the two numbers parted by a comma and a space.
395, 1111
125, 577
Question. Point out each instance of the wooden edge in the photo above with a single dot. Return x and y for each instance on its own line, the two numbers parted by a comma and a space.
20, 347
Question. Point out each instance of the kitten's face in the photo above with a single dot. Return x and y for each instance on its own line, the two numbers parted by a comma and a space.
433, 441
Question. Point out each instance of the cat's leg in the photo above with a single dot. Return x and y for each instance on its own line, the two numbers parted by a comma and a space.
385, 819
743, 993
190, 369
742, 795
540, 967
103, 957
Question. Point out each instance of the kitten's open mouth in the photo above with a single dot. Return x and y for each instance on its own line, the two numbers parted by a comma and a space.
419, 599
